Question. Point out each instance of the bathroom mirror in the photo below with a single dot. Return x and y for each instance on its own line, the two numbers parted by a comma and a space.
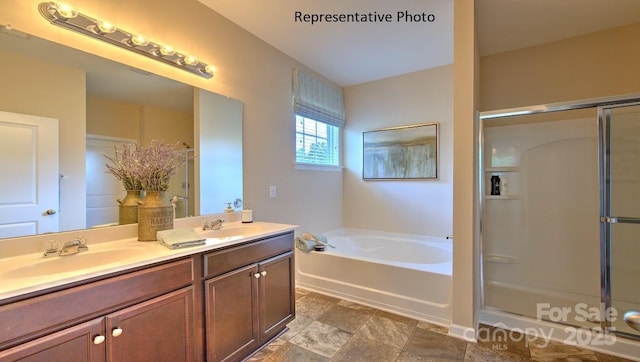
97, 99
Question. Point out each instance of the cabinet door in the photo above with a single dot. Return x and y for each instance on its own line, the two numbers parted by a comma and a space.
81, 343
232, 314
160, 329
277, 295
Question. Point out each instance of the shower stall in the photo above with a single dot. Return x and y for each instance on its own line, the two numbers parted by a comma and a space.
559, 188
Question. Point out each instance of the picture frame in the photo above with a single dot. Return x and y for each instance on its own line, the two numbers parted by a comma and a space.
401, 153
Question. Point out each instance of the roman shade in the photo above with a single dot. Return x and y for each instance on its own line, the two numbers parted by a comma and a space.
317, 100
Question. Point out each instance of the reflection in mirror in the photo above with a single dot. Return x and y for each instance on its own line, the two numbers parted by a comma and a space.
99, 103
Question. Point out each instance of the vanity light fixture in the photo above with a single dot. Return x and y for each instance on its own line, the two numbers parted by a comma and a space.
69, 18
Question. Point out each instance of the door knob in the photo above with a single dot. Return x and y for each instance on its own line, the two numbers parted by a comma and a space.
98, 339
50, 212
263, 273
256, 275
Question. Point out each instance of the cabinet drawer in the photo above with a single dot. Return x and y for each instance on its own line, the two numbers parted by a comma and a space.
220, 262
34, 317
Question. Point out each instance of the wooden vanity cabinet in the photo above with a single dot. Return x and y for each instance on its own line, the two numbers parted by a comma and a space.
217, 306
249, 296
71, 344
146, 315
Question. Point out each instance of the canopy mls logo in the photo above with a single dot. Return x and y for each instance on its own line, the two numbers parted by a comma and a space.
500, 338
404, 16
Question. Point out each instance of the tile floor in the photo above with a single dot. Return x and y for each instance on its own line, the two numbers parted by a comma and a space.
330, 329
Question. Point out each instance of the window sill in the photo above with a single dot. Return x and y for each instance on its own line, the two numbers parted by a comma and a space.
316, 167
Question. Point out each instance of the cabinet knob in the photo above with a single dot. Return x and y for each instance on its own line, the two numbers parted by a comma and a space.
116, 332
98, 339
256, 275
264, 273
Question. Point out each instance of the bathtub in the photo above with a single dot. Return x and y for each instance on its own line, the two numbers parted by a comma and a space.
400, 273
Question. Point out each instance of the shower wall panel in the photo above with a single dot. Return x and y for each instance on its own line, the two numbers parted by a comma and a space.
541, 237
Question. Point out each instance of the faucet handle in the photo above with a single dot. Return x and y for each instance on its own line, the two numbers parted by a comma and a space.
52, 249
82, 243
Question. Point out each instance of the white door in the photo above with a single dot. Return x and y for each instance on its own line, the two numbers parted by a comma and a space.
29, 179
103, 189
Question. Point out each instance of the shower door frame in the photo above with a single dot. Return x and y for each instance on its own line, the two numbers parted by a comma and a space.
606, 215
598, 104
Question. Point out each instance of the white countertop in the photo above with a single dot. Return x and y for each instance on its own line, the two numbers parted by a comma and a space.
24, 273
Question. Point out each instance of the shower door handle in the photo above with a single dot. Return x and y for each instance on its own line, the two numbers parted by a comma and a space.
632, 318
620, 220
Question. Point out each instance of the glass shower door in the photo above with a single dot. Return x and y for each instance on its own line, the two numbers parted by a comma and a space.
620, 161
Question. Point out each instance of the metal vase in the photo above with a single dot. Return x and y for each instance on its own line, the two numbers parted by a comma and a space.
128, 208
155, 213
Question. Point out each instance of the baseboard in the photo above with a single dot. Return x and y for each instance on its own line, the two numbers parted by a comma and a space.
466, 333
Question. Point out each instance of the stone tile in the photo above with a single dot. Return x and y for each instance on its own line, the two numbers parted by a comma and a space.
345, 318
406, 356
323, 297
296, 326
292, 353
503, 342
352, 305
398, 318
567, 358
608, 358
313, 305
267, 350
322, 339
359, 348
432, 346
433, 327
477, 353
550, 350
301, 293
387, 331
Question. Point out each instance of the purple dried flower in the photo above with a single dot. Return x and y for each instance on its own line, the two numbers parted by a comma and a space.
146, 168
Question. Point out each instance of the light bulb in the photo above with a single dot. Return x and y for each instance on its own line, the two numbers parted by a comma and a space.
105, 27
209, 69
139, 40
66, 11
190, 60
167, 50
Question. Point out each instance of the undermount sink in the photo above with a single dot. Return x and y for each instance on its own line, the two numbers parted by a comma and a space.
234, 232
65, 264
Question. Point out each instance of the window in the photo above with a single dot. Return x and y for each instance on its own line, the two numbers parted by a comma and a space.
317, 142
319, 110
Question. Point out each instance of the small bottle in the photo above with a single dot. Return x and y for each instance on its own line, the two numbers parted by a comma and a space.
495, 185
504, 186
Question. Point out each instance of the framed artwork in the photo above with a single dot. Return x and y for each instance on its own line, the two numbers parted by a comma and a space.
401, 153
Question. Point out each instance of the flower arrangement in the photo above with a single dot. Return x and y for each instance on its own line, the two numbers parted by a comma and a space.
127, 159
146, 168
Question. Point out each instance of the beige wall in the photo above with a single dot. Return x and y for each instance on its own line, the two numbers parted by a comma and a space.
593, 65
166, 125
248, 70
415, 207
113, 118
464, 195
30, 86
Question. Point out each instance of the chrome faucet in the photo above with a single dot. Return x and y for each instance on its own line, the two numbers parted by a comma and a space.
212, 225
74, 246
